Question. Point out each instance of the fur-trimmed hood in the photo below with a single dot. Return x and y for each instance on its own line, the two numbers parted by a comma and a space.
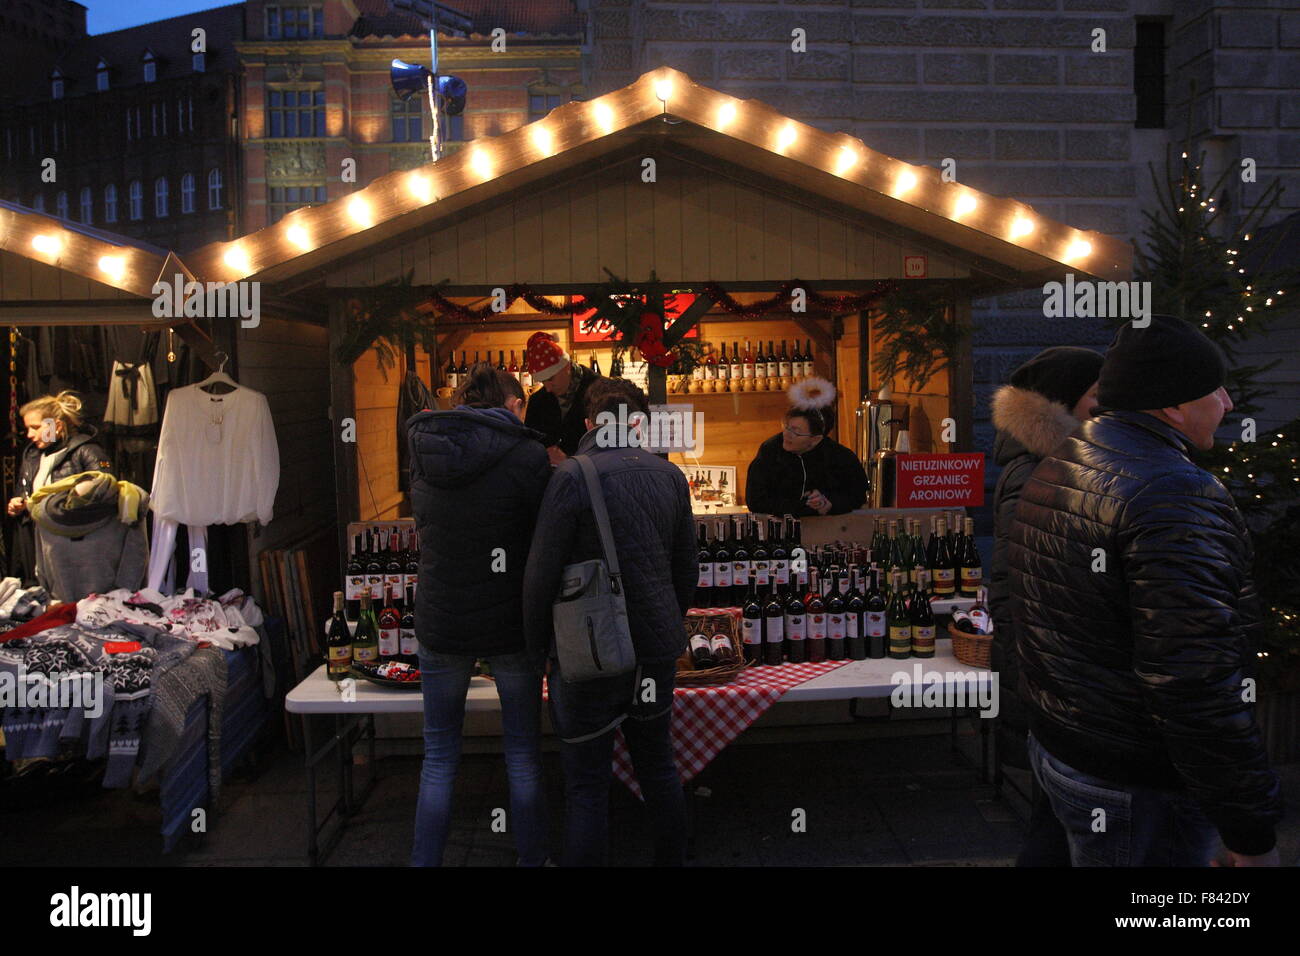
1029, 419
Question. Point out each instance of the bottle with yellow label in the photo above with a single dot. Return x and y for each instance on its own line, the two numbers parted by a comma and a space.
338, 646
365, 643
922, 618
899, 621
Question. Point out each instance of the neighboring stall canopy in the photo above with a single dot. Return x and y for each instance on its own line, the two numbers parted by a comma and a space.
754, 198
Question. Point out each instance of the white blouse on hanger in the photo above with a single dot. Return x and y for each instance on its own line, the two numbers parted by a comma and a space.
218, 461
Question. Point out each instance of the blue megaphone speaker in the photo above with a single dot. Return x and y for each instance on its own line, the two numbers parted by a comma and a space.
452, 89
407, 78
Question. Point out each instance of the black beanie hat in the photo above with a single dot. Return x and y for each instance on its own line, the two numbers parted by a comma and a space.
1164, 364
1062, 374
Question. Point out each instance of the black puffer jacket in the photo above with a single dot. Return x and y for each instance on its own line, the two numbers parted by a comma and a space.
649, 504
79, 453
477, 478
563, 429
1135, 672
777, 479
1029, 426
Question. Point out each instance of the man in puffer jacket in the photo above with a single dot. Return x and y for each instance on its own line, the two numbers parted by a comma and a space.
1130, 580
650, 519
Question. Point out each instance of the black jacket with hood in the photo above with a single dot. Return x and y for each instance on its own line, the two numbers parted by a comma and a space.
1135, 668
477, 478
72, 456
778, 479
1029, 426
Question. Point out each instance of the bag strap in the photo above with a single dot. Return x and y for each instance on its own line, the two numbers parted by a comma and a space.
597, 495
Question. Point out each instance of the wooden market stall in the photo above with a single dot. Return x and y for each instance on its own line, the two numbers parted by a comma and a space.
669, 181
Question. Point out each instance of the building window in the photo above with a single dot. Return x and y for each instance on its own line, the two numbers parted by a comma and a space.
135, 196
407, 125
187, 193
38, 202
153, 119
542, 102
61, 204
295, 113
160, 197
284, 199
110, 203
189, 106
453, 128
87, 205
1149, 74
197, 63
214, 189
150, 68
56, 86
289, 23
101, 76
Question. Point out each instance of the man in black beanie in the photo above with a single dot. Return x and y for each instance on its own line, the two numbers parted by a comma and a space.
1130, 582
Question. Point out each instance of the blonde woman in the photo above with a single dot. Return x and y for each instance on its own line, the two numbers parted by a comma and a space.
59, 448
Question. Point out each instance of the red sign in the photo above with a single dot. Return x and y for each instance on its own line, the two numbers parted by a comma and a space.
675, 303
940, 481
914, 267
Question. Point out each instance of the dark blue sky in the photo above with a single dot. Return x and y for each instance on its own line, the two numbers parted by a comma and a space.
104, 16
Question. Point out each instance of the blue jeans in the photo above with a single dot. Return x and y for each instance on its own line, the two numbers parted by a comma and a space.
585, 716
444, 682
1141, 826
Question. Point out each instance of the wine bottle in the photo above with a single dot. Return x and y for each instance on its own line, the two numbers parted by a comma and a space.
809, 367
452, 377
774, 627
595, 363
722, 579
395, 567
462, 373
724, 370
704, 584
411, 579
798, 555
760, 559
922, 619
780, 554
816, 619
375, 565
972, 570
723, 652
917, 565
796, 626
365, 642
773, 367
760, 369
338, 653
783, 368
944, 567
390, 628
874, 618
899, 620
701, 647
751, 619
501, 361
354, 578
740, 569
737, 369
409, 645
855, 631
514, 366
836, 632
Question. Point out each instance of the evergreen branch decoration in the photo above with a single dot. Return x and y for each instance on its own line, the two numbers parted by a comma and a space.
917, 339
385, 318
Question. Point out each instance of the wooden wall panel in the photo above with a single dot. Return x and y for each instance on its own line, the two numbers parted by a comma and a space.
669, 263
776, 224
528, 240
583, 238
557, 246
610, 223
805, 258
471, 251
722, 229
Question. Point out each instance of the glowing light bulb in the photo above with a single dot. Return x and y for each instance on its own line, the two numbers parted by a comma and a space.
966, 204
664, 90
359, 210
786, 137
420, 186
604, 117
298, 236
1022, 226
113, 266
1078, 249
726, 114
48, 245
237, 259
847, 159
543, 140
904, 183
479, 162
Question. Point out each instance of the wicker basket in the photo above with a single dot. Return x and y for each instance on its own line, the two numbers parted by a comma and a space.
971, 649
719, 621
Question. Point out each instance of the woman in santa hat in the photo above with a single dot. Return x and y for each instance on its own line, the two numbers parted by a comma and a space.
557, 409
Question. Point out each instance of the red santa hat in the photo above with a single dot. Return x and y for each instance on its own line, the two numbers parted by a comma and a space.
545, 357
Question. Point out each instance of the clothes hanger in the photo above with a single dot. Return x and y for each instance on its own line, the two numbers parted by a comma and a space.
219, 378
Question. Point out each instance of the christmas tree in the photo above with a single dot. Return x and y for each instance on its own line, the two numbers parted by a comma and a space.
1197, 263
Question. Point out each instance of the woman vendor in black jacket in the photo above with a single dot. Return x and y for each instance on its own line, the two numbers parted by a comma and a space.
58, 448
803, 471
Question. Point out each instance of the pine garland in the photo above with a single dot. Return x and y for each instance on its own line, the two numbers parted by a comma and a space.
917, 339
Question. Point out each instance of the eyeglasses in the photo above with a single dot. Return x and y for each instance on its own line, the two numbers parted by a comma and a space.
794, 434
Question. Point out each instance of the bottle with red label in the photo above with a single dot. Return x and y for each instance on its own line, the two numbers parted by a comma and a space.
390, 627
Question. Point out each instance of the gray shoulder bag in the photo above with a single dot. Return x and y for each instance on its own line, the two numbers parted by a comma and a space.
592, 638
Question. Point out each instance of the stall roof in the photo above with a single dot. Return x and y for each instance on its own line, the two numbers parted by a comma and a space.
62, 272
1004, 240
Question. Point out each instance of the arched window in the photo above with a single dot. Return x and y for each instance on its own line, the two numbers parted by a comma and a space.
160, 197
101, 76
87, 205
56, 85
150, 67
61, 204
187, 193
214, 189
110, 203
135, 196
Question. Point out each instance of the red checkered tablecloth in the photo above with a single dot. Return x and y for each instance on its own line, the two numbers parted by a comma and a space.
706, 719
